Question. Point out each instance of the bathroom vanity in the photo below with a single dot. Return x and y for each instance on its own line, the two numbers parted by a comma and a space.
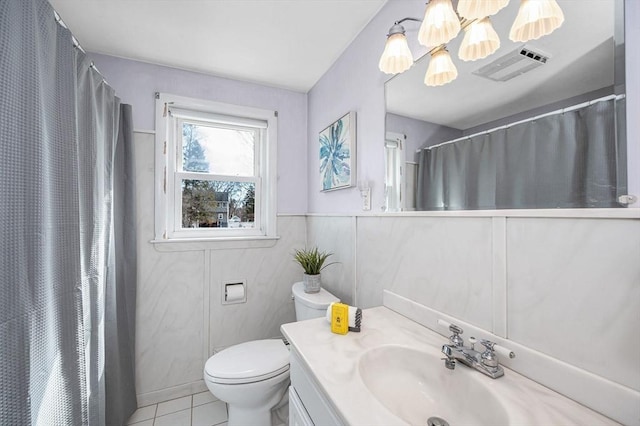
391, 373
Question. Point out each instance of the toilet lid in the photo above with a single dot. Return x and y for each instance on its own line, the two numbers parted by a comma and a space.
248, 362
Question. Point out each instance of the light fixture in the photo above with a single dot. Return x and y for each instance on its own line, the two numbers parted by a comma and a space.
535, 19
441, 69
396, 57
480, 40
440, 24
478, 9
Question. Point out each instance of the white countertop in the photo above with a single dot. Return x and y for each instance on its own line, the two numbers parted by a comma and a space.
333, 359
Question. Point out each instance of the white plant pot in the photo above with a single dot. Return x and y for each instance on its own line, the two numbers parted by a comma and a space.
311, 283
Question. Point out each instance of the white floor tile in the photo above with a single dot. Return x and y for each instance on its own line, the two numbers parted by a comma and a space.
173, 406
210, 414
180, 418
203, 398
144, 413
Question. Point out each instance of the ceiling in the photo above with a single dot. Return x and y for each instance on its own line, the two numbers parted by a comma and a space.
581, 61
282, 43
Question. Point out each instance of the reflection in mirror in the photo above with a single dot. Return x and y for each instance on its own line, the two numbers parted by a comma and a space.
585, 62
395, 169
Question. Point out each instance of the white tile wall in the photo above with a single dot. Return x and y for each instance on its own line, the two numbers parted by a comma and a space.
445, 263
180, 318
269, 274
169, 329
336, 235
574, 292
564, 287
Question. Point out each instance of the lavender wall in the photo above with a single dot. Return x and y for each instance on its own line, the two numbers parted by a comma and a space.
355, 83
136, 83
419, 133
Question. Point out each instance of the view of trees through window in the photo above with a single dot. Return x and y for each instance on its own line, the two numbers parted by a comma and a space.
211, 203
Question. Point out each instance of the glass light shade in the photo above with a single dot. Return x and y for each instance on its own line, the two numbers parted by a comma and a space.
396, 57
440, 24
480, 40
535, 19
441, 69
477, 9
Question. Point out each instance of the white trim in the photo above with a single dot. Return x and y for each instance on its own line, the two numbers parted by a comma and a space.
622, 213
160, 210
499, 287
217, 243
394, 136
167, 209
211, 176
224, 119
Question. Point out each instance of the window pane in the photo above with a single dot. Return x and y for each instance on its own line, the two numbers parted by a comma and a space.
218, 150
217, 204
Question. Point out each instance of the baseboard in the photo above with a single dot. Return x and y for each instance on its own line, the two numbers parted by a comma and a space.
174, 392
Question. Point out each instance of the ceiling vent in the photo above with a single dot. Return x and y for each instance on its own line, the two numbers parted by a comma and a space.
513, 64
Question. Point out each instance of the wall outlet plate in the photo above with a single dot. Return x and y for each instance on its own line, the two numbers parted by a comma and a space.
366, 198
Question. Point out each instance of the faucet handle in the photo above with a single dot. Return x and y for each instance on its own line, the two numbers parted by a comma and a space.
488, 357
488, 344
455, 329
455, 339
492, 346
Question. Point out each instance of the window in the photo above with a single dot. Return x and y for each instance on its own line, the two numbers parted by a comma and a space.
215, 170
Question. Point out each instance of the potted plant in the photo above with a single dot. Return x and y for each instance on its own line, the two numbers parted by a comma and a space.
312, 261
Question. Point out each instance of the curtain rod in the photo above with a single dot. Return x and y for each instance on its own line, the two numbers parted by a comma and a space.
76, 44
506, 126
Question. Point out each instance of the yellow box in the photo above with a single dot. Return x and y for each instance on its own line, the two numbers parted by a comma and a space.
340, 318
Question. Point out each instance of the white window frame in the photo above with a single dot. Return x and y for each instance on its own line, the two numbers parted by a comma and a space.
171, 112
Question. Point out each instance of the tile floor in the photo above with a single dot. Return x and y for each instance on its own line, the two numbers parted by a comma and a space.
201, 409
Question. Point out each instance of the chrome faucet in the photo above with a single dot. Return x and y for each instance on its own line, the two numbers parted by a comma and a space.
485, 362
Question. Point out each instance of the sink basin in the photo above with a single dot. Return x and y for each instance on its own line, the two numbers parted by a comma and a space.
415, 385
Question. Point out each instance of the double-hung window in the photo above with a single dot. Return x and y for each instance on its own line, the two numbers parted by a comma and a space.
215, 168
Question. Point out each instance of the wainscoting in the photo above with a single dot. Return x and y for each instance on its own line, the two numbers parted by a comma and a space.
566, 288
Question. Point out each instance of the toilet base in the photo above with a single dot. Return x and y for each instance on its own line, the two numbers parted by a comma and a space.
244, 417
250, 404
258, 416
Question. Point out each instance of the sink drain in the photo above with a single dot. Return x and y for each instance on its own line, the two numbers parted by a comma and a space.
437, 421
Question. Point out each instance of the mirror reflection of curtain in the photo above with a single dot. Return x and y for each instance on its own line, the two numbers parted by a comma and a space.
569, 160
63, 284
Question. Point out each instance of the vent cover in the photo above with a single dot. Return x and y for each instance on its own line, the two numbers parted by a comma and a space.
513, 64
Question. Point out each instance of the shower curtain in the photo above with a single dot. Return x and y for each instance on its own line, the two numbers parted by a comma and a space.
67, 259
569, 160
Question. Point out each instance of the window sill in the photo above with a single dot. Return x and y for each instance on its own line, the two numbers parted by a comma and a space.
223, 243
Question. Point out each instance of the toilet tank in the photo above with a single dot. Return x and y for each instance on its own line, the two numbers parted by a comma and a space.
311, 305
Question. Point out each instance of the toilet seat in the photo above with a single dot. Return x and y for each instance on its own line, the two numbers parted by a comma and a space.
248, 362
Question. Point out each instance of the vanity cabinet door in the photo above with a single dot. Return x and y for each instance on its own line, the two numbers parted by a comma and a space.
315, 402
298, 415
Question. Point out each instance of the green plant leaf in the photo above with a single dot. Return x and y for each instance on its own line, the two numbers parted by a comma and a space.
312, 260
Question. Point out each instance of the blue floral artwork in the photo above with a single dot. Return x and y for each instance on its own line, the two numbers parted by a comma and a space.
337, 153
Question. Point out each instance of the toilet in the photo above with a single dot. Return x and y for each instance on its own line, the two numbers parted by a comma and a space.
252, 377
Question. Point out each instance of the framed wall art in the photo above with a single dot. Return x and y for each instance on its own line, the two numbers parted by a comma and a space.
338, 153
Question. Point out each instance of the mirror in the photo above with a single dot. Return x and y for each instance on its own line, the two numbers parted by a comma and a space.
585, 62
